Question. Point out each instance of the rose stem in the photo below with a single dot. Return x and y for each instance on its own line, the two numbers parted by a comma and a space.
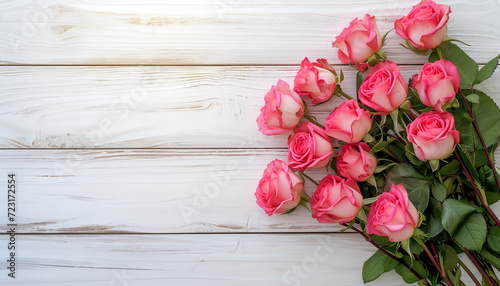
436, 265
476, 263
340, 92
367, 238
474, 122
314, 121
462, 264
478, 193
309, 178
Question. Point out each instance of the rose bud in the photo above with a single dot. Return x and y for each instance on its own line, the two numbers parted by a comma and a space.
314, 81
433, 135
279, 189
282, 111
437, 84
309, 147
425, 26
348, 122
336, 200
359, 41
384, 88
393, 215
356, 162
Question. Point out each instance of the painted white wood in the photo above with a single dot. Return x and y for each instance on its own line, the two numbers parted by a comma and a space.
202, 259
147, 191
149, 107
229, 32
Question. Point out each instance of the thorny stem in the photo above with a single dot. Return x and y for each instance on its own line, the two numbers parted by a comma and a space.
309, 178
436, 265
313, 120
474, 122
462, 264
367, 238
478, 193
481, 270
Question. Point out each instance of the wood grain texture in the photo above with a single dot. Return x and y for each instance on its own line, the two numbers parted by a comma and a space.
222, 259
214, 32
149, 107
147, 191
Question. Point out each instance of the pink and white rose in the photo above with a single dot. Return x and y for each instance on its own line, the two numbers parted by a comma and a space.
279, 188
309, 147
437, 83
425, 26
392, 215
384, 88
356, 162
282, 111
359, 41
315, 80
433, 135
336, 200
348, 122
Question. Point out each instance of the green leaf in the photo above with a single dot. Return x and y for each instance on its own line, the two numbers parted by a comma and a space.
467, 67
469, 139
451, 168
410, 154
455, 213
487, 70
488, 118
377, 264
450, 257
359, 81
493, 238
433, 57
490, 258
438, 190
472, 234
417, 266
463, 222
474, 98
417, 185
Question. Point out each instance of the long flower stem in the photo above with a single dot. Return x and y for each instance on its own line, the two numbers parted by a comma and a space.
476, 190
340, 92
309, 178
314, 121
436, 265
367, 238
481, 270
474, 279
474, 122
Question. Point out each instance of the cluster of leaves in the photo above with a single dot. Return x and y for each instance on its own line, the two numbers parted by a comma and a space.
454, 201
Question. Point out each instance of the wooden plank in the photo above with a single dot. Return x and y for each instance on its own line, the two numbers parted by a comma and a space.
148, 107
146, 191
211, 32
223, 259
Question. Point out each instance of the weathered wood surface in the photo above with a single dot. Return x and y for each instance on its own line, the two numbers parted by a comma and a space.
213, 32
149, 107
202, 259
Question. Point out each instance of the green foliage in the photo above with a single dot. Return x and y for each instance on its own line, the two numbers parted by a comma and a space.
487, 70
493, 238
467, 68
407, 275
488, 118
417, 184
464, 223
377, 264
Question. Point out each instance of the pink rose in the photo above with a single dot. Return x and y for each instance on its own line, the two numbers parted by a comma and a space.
314, 81
282, 112
348, 122
336, 200
384, 88
359, 41
279, 189
393, 215
309, 147
425, 25
437, 84
356, 162
433, 135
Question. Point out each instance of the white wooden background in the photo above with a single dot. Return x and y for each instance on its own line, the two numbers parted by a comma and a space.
131, 128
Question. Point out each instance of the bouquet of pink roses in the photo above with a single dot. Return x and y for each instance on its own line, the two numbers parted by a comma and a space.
409, 166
